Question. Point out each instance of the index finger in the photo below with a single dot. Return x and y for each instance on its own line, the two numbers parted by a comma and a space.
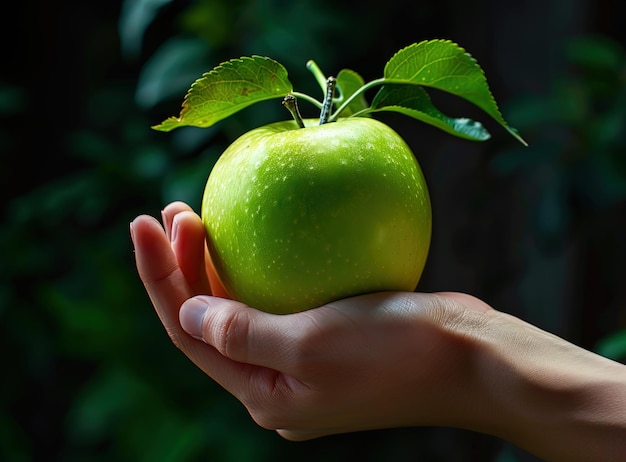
167, 288
159, 271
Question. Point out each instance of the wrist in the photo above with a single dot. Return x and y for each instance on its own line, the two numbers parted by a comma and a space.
549, 396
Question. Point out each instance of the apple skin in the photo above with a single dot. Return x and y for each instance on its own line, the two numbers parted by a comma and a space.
299, 217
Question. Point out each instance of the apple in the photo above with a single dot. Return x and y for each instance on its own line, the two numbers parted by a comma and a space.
299, 217
305, 212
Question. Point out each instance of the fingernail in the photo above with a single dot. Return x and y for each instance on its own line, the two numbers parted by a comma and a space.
132, 232
166, 225
174, 230
191, 317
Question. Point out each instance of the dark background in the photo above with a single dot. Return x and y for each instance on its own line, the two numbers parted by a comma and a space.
88, 372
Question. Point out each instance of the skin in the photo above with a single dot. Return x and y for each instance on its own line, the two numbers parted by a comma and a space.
383, 360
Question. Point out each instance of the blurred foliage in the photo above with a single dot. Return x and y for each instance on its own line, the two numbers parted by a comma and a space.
574, 175
89, 372
613, 346
577, 133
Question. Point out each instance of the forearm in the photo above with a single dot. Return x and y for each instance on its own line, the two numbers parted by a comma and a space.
548, 396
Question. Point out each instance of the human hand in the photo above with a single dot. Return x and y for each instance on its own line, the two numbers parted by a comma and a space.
334, 369
382, 360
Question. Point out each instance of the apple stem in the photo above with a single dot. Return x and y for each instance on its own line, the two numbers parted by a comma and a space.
345, 103
331, 82
291, 103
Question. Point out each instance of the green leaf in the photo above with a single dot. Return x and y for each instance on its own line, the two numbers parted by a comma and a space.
348, 83
229, 88
413, 101
444, 65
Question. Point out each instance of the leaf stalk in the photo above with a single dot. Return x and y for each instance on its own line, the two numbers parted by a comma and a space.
317, 73
307, 98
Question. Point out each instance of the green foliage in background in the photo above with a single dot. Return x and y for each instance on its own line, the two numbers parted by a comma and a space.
578, 132
575, 173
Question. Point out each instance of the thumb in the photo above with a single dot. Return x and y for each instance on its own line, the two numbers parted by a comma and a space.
239, 332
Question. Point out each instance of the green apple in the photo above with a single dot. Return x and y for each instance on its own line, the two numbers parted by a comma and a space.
302, 213
299, 217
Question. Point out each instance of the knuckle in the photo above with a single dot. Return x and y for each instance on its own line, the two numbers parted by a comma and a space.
231, 338
154, 278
